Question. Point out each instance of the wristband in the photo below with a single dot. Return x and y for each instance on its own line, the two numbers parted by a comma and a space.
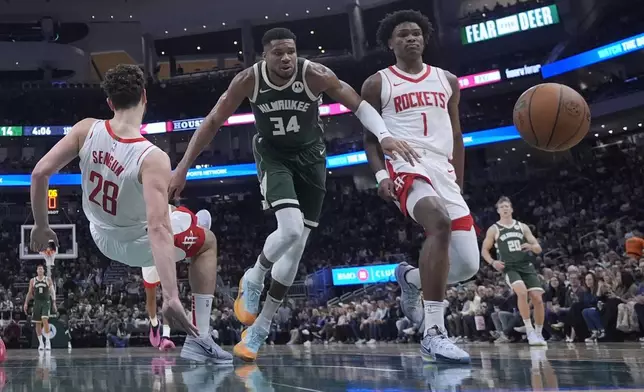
381, 175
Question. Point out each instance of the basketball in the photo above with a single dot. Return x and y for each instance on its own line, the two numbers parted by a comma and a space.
552, 117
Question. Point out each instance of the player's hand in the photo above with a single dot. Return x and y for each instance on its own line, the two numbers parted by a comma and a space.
175, 315
177, 183
498, 265
40, 237
527, 247
386, 189
395, 147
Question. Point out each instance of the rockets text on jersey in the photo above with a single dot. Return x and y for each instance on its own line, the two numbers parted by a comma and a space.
414, 108
112, 193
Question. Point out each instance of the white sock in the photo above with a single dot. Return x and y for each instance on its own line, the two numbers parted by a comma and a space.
40, 340
166, 331
154, 321
201, 308
413, 278
538, 329
268, 311
434, 315
257, 273
528, 326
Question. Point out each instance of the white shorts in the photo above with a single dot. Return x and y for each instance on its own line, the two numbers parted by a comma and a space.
150, 276
188, 240
438, 172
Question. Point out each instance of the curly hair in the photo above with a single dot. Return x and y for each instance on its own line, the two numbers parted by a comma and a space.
124, 85
389, 23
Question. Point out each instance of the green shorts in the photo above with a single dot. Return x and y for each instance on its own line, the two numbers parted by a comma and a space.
527, 276
41, 310
292, 180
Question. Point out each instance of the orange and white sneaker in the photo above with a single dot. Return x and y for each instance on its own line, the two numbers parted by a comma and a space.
252, 340
166, 344
247, 303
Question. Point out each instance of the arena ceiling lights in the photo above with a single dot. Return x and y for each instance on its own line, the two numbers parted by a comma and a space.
159, 16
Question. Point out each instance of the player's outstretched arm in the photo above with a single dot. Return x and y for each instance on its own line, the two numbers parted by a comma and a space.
373, 149
371, 94
458, 154
241, 87
30, 295
60, 155
533, 242
155, 177
321, 79
488, 243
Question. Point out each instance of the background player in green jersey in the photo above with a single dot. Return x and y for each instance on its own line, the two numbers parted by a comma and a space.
41, 289
284, 93
513, 241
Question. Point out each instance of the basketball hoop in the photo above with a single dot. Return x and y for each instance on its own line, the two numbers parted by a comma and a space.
49, 255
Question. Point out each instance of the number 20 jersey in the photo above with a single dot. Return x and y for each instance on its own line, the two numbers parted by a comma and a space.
112, 193
414, 107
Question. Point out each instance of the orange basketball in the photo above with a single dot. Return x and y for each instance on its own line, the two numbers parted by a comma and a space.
552, 117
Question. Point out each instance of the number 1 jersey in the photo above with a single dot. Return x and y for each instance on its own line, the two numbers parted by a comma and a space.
112, 193
414, 108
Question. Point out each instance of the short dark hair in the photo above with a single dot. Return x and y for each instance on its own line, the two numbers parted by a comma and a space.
277, 33
502, 199
41, 265
389, 23
124, 85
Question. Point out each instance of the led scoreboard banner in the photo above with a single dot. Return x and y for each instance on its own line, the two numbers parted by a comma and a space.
523, 21
10, 131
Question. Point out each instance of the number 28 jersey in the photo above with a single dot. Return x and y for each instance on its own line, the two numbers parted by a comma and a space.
286, 117
112, 193
414, 108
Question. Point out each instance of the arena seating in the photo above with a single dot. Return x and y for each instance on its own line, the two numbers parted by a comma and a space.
582, 213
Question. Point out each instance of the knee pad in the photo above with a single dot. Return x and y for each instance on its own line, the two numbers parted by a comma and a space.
285, 269
463, 255
290, 224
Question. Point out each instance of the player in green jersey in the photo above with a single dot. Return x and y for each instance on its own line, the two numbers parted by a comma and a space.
513, 240
284, 93
41, 289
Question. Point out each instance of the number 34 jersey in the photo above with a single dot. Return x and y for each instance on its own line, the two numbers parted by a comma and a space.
286, 117
112, 193
414, 107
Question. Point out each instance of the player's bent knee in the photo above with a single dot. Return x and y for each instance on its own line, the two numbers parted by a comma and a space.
290, 224
520, 290
433, 216
292, 233
536, 297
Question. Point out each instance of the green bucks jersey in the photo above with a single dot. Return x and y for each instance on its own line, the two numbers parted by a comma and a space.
41, 290
508, 246
286, 117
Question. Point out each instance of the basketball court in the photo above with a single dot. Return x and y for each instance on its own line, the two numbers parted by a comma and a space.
386, 367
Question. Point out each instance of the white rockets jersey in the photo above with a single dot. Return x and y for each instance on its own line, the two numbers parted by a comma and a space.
414, 108
112, 194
